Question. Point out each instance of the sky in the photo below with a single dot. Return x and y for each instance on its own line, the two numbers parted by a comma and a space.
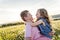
10, 9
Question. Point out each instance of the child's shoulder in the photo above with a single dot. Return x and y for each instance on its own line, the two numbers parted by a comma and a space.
27, 23
43, 19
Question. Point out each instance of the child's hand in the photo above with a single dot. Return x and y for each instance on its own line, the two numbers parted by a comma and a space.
51, 33
43, 23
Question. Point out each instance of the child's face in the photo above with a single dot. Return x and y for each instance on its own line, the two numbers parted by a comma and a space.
38, 14
29, 17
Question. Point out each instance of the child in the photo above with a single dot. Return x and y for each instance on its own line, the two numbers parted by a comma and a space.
44, 30
30, 32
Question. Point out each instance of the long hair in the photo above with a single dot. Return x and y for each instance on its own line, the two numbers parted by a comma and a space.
44, 14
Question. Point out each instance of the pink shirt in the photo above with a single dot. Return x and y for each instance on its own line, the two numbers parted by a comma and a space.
34, 33
28, 30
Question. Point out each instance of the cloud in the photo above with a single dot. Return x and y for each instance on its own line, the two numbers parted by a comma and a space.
17, 3
53, 7
10, 9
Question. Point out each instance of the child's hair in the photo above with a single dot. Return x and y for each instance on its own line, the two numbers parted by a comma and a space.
24, 14
44, 14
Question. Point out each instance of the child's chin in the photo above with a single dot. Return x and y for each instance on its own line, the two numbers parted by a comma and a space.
37, 17
32, 19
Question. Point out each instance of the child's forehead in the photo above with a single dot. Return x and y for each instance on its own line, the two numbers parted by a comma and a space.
29, 13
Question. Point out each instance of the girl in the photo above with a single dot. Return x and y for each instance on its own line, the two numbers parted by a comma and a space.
44, 30
31, 33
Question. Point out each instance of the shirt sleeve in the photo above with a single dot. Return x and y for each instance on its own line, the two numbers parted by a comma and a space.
28, 30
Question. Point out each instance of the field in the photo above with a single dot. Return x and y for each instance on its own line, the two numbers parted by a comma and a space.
56, 27
12, 33
17, 32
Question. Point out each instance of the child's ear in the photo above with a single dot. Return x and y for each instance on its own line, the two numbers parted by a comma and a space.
25, 18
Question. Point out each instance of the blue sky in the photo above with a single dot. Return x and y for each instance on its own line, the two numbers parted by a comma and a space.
10, 9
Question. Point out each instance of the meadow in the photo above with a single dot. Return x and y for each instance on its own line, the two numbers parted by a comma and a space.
12, 33
16, 32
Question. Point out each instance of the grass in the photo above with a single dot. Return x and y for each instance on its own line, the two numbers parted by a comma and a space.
12, 33
56, 27
17, 32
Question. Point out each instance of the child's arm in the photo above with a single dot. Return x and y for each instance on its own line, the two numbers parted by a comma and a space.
37, 23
